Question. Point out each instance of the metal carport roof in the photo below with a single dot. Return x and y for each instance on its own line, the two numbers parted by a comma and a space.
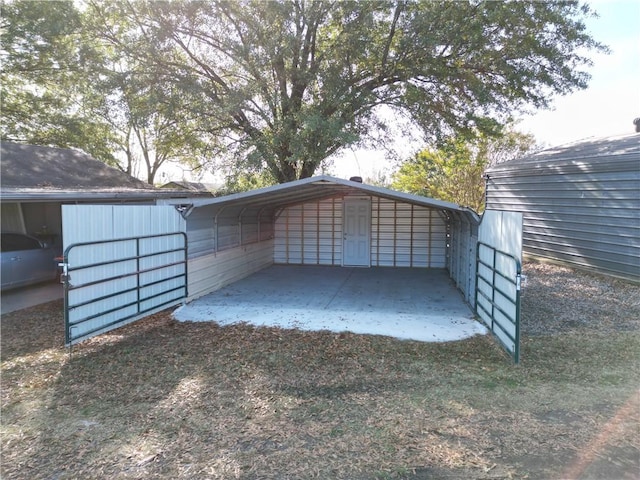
269, 199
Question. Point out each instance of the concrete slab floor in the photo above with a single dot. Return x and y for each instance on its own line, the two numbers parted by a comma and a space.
417, 304
24, 297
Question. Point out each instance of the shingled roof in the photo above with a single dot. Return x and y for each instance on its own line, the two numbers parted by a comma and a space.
47, 168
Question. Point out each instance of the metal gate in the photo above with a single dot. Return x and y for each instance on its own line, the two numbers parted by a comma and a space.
498, 277
120, 264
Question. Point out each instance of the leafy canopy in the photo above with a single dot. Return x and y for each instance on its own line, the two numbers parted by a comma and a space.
454, 171
63, 85
284, 84
276, 87
45, 93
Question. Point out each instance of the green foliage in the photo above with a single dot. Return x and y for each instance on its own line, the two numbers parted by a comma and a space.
43, 80
242, 181
276, 86
283, 84
64, 86
454, 171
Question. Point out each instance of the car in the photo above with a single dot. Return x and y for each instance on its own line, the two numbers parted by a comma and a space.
25, 260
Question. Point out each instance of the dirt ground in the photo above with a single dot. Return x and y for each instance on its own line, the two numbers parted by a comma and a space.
163, 399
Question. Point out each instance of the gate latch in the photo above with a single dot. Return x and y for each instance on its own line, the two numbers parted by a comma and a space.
64, 272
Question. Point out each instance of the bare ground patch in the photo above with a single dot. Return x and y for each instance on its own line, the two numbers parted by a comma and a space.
559, 299
162, 399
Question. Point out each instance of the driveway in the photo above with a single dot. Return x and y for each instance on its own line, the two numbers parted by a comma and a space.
25, 297
416, 304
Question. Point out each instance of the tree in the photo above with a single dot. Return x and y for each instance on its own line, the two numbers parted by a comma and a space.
43, 83
245, 181
149, 129
283, 84
62, 86
454, 171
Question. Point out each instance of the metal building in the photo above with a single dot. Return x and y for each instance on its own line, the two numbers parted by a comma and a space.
122, 263
326, 221
580, 203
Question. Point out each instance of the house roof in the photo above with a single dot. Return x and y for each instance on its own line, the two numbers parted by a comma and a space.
602, 150
37, 173
32, 166
270, 199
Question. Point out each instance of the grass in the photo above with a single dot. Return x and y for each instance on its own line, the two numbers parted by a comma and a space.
161, 399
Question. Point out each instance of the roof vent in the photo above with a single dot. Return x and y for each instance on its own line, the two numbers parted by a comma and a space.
636, 122
356, 179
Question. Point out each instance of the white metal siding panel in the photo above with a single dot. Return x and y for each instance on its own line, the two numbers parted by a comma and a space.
585, 214
266, 229
228, 235
309, 234
208, 233
200, 233
97, 223
402, 235
208, 273
405, 235
84, 223
462, 255
249, 232
501, 231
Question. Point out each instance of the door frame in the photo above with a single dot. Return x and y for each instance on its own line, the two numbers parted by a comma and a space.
354, 200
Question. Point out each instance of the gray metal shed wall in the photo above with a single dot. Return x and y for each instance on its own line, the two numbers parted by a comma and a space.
581, 212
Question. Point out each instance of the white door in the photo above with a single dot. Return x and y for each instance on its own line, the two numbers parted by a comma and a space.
357, 232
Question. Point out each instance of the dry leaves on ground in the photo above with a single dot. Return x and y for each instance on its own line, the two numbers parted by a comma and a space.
162, 399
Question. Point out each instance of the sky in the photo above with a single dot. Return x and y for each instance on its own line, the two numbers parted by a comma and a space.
612, 100
606, 108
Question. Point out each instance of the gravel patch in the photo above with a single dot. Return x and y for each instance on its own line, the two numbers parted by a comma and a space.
559, 299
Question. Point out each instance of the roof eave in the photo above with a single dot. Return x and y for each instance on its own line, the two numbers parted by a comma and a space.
253, 196
20, 195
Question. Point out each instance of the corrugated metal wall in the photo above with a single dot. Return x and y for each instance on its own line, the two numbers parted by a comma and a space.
462, 240
402, 234
224, 248
407, 235
211, 231
115, 283
212, 271
309, 234
581, 212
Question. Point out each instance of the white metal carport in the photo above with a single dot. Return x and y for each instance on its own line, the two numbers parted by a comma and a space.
321, 221
325, 221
